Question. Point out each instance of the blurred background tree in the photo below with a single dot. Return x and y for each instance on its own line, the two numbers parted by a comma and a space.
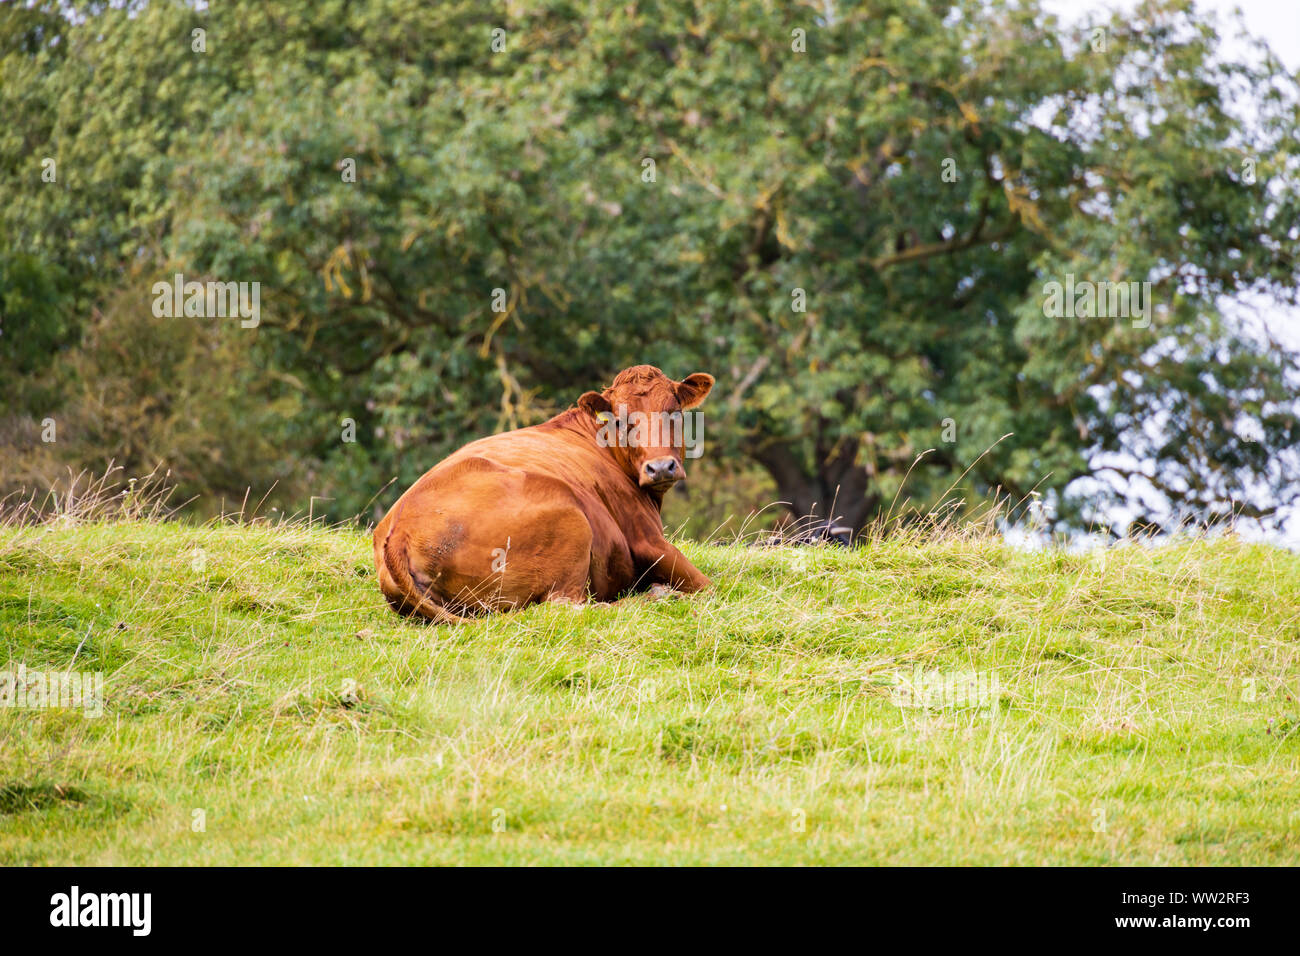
845, 211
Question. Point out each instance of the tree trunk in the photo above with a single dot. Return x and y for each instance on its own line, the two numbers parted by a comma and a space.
839, 491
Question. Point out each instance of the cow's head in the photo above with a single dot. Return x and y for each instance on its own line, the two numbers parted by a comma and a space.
642, 422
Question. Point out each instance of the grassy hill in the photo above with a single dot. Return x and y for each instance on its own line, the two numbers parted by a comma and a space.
951, 701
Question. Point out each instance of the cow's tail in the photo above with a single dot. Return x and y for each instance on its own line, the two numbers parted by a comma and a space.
409, 599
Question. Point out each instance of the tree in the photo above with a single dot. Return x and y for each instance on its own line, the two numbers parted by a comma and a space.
914, 180
852, 213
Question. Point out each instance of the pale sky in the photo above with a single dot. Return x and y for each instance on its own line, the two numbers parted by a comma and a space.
1277, 22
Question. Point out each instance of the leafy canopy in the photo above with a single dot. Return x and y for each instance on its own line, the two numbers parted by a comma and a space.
671, 182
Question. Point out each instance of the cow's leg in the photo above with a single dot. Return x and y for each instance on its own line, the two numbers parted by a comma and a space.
549, 556
571, 564
665, 565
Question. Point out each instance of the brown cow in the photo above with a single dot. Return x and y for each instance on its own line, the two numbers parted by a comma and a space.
558, 511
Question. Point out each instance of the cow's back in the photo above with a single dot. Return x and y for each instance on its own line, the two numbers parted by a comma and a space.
538, 502
545, 451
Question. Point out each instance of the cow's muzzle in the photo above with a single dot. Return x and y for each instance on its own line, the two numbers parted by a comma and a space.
661, 472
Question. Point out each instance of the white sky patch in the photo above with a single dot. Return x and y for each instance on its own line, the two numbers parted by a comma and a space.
1278, 23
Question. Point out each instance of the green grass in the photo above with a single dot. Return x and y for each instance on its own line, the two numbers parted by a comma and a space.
1144, 710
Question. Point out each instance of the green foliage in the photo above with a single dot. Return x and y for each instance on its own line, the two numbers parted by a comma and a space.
524, 170
142, 393
34, 324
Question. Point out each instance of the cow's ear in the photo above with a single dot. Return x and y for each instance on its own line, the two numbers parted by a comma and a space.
593, 403
693, 389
